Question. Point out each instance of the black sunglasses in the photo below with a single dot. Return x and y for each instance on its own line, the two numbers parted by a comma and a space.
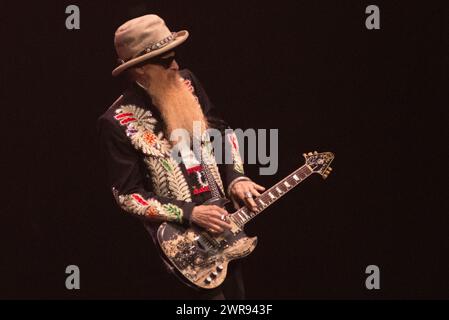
162, 61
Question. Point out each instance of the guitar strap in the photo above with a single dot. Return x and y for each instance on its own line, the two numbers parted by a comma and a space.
215, 190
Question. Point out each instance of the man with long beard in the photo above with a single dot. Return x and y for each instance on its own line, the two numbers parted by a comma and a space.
145, 178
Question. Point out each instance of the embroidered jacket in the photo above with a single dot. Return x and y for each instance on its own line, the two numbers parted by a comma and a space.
145, 179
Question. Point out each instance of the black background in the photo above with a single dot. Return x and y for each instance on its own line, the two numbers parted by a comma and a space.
311, 69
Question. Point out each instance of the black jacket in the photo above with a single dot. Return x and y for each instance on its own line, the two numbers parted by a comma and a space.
144, 178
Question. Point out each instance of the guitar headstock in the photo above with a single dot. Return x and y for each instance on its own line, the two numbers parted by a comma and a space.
319, 162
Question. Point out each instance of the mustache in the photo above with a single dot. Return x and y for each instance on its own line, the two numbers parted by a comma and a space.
160, 77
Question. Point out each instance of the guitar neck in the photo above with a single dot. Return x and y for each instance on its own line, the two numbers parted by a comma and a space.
244, 215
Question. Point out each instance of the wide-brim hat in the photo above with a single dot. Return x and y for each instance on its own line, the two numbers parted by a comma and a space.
142, 38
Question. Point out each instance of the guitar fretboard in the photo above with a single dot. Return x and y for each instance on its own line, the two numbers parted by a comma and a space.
243, 215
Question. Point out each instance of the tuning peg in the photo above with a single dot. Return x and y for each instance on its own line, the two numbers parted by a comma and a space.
329, 168
324, 176
315, 153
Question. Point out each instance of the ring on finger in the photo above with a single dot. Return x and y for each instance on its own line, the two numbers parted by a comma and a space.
248, 194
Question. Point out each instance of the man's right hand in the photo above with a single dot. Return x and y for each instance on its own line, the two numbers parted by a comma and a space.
211, 217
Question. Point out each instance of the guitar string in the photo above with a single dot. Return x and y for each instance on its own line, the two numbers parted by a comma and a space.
264, 195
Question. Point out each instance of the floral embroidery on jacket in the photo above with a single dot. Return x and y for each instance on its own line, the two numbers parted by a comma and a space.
167, 177
140, 129
177, 183
151, 207
135, 118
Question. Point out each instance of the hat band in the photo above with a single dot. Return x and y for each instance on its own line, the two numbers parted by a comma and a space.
154, 46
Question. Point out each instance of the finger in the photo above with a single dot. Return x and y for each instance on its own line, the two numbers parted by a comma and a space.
251, 203
219, 209
244, 192
258, 187
218, 215
241, 196
215, 228
222, 224
254, 191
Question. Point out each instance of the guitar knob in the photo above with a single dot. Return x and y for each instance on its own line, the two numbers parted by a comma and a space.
220, 268
214, 274
208, 280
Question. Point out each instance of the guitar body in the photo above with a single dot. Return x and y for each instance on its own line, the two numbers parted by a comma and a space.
200, 258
